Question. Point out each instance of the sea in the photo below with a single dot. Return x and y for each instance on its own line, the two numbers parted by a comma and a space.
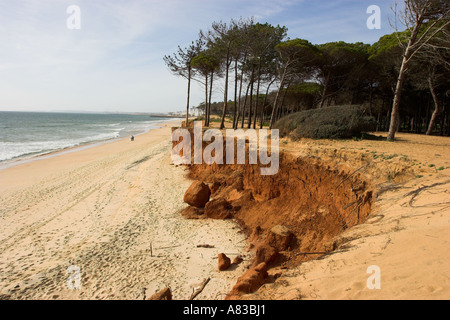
29, 134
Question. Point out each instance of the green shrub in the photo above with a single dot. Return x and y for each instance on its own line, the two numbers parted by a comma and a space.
337, 122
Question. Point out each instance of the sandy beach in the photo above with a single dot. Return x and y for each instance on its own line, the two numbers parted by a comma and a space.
310, 157
112, 211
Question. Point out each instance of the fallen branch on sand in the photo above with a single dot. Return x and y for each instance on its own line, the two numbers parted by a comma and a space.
205, 246
179, 245
199, 289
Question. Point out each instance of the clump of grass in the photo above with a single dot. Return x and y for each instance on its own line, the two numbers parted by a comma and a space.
388, 157
441, 168
431, 165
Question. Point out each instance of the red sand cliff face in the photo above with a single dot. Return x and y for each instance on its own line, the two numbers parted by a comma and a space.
315, 202
312, 200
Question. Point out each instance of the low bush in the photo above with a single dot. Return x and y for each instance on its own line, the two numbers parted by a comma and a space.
337, 122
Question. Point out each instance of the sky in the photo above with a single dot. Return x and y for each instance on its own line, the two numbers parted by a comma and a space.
114, 61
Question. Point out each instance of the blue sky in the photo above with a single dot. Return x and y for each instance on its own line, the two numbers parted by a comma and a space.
114, 63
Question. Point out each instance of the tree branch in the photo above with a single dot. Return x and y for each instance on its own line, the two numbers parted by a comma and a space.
426, 41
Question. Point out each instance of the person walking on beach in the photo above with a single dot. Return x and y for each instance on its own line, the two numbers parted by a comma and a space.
132, 138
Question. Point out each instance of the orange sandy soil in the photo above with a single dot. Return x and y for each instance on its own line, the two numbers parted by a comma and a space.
403, 227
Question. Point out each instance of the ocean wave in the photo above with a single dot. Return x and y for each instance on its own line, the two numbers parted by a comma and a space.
41, 133
12, 150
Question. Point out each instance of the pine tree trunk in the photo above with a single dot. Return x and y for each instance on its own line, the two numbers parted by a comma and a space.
283, 109
206, 98
245, 104
378, 122
240, 90
235, 92
188, 96
395, 114
210, 95
257, 95
396, 103
250, 106
388, 115
325, 89
275, 103
437, 107
225, 96
249, 123
264, 104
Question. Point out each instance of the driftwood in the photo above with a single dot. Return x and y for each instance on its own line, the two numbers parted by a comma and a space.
199, 289
205, 246
178, 245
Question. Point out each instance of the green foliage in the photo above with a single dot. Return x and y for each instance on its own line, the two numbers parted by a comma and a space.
387, 43
340, 47
335, 122
294, 43
205, 62
298, 50
306, 88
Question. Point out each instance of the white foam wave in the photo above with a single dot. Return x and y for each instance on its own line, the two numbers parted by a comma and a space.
11, 150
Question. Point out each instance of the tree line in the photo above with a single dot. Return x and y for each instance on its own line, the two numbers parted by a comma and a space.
402, 79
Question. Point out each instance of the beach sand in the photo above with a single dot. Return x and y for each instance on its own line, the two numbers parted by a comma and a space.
112, 212
100, 209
